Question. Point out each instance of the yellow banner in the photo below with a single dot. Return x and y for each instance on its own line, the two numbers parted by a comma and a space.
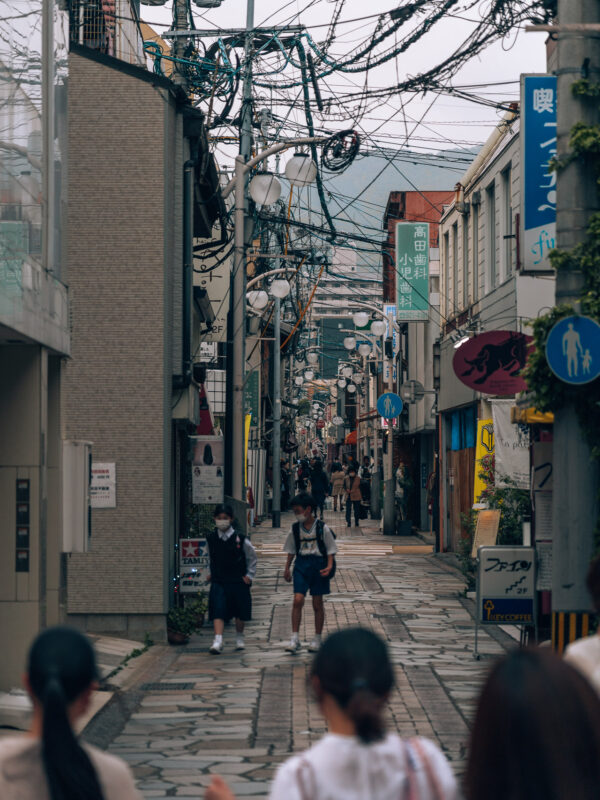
483, 447
247, 421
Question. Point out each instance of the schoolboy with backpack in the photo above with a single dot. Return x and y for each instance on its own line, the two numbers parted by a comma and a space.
311, 544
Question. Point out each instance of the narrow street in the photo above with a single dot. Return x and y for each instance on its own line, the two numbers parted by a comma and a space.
240, 714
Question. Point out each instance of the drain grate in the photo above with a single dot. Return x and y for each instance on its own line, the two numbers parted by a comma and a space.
167, 687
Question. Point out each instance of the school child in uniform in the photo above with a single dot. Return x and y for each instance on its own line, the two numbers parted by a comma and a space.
232, 570
312, 544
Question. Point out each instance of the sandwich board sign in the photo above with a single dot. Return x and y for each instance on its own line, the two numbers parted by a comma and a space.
506, 593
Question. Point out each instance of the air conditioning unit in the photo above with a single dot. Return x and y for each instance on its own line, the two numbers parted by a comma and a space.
76, 478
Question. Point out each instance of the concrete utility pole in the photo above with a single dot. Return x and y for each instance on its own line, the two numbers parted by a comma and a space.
276, 515
389, 505
575, 507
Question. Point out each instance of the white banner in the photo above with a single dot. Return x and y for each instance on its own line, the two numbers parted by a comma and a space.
512, 447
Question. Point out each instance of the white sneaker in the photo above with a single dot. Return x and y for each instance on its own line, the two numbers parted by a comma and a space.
294, 646
239, 643
216, 647
314, 646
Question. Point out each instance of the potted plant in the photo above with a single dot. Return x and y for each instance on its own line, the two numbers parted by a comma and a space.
198, 607
181, 623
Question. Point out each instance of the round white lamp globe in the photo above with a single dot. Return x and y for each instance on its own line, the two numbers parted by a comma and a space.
360, 319
257, 298
298, 380
378, 327
265, 189
312, 357
300, 170
309, 374
349, 342
364, 349
280, 288
351, 388
346, 371
342, 383
357, 377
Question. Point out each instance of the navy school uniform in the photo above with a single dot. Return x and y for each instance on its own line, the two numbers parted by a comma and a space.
232, 557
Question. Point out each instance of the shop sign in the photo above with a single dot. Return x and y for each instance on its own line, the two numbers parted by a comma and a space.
506, 585
492, 362
538, 142
103, 486
208, 467
412, 271
194, 564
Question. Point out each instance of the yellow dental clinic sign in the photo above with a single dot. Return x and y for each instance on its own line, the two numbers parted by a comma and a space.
483, 447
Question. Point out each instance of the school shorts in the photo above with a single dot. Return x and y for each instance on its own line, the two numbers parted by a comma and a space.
227, 600
307, 575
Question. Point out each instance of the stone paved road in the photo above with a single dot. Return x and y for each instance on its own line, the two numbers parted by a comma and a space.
240, 714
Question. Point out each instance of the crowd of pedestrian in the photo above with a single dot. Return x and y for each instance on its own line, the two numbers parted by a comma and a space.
536, 733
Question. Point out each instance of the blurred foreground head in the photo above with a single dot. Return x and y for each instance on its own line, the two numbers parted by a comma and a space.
536, 734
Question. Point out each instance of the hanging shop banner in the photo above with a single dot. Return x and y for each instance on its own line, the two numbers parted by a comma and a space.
194, 564
208, 467
484, 446
538, 147
103, 485
512, 448
412, 271
492, 362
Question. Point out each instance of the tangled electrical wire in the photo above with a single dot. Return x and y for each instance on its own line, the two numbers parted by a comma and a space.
340, 151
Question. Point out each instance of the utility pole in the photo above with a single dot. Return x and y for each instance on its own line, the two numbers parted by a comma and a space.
389, 506
238, 305
277, 414
575, 507
180, 23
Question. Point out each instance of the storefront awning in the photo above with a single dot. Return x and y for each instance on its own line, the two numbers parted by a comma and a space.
531, 416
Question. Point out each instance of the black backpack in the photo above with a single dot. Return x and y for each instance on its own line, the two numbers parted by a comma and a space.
320, 542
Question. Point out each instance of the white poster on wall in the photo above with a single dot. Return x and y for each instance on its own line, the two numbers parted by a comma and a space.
512, 447
103, 485
208, 467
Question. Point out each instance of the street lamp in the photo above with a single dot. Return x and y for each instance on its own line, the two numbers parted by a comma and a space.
298, 380
309, 374
312, 357
257, 298
265, 189
300, 170
349, 342
280, 288
346, 372
342, 383
351, 388
378, 327
364, 349
360, 319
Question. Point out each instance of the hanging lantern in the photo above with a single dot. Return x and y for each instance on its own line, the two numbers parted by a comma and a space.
360, 319
301, 170
257, 298
265, 189
280, 288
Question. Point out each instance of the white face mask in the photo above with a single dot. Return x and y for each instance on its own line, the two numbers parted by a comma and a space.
300, 517
223, 524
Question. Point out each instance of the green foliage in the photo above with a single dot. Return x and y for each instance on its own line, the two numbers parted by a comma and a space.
514, 504
189, 618
585, 88
303, 407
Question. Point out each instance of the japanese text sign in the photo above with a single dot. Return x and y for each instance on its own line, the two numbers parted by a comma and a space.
412, 271
194, 566
506, 585
538, 104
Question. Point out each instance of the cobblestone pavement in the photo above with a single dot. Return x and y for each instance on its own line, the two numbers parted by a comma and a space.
240, 714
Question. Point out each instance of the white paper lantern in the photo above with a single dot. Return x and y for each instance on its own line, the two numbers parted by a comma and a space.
257, 298
312, 357
349, 342
351, 388
280, 288
265, 189
360, 319
300, 170
378, 327
346, 371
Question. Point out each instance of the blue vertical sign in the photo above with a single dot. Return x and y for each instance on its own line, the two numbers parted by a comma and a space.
538, 136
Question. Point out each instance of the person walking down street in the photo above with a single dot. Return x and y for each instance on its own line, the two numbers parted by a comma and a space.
319, 482
365, 482
353, 496
311, 544
49, 762
352, 678
337, 485
536, 734
584, 654
285, 485
232, 570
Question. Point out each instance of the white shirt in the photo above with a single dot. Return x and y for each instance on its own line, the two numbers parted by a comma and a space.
308, 541
342, 768
249, 551
584, 655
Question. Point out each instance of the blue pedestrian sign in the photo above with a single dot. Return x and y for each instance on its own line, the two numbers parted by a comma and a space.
389, 405
573, 350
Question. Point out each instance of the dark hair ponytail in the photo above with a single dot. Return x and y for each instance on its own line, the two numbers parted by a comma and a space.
353, 666
61, 666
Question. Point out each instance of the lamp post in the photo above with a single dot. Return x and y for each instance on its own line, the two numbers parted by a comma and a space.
238, 304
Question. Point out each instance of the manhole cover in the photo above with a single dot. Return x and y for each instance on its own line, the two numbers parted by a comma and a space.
167, 687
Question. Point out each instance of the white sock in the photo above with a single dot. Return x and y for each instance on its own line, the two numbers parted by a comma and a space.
317, 637
295, 637
240, 636
219, 638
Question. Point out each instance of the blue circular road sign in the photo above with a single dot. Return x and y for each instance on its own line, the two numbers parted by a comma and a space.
573, 350
389, 405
